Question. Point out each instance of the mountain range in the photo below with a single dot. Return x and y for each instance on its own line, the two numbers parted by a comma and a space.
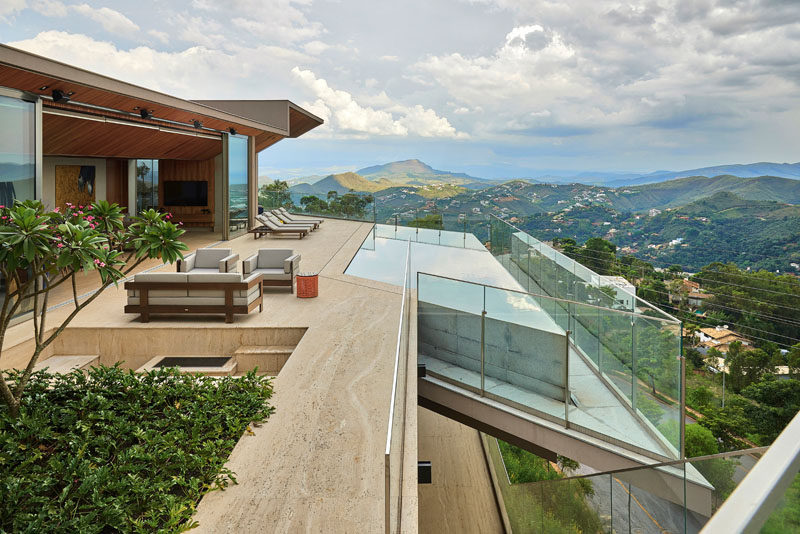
417, 173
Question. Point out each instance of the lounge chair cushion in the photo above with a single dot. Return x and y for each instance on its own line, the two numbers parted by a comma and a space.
273, 258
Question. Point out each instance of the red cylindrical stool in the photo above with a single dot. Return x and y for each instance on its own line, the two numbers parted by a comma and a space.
307, 285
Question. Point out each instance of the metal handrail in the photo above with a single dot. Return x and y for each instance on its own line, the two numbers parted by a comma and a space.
548, 297
638, 299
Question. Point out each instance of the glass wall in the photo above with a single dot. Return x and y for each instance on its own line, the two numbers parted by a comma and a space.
17, 162
146, 184
17, 150
238, 199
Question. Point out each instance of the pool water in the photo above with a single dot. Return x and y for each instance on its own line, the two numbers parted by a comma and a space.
454, 254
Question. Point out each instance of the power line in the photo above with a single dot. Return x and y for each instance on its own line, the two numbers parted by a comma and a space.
748, 335
617, 265
616, 262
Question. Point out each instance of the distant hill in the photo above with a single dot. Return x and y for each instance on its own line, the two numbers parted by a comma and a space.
682, 191
751, 170
341, 183
412, 171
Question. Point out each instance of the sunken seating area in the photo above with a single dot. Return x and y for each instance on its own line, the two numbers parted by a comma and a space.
194, 292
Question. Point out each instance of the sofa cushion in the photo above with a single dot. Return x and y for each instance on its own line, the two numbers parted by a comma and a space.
204, 270
208, 278
272, 258
273, 274
209, 258
169, 278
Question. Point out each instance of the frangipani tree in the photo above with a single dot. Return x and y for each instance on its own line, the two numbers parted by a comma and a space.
42, 250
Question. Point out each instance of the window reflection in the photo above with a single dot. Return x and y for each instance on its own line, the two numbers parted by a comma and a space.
146, 184
17, 167
238, 205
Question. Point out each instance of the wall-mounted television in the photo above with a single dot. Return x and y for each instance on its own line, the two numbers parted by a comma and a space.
189, 193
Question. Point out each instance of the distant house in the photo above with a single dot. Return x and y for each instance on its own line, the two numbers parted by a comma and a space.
696, 298
720, 338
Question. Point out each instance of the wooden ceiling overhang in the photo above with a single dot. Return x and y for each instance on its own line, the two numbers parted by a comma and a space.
103, 118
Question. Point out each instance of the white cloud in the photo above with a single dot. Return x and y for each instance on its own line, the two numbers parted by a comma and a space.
49, 8
9, 8
389, 58
196, 72
159, 35
344, 114
277, 20
112, 21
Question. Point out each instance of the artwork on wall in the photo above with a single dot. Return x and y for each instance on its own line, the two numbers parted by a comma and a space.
75, 184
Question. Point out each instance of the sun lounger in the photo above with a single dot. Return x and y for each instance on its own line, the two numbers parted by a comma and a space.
276, 221
268, 227
294, 218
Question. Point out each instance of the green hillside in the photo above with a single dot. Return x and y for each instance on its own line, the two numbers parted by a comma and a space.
723, 227
682, 191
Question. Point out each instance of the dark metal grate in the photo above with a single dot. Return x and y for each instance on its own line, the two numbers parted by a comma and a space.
203, 361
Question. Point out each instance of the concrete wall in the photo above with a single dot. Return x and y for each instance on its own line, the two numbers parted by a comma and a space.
49, 176
528, 358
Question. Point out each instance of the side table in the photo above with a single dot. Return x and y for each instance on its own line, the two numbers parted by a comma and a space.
307, 285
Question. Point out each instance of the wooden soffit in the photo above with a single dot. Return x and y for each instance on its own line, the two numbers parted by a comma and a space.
70, 134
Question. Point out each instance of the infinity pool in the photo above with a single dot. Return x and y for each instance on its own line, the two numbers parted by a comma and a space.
454, 254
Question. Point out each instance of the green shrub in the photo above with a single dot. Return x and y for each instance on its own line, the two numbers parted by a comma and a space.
118, 451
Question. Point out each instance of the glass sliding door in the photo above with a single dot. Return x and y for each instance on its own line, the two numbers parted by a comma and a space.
238, 197
17, 150
146, 184
18, 160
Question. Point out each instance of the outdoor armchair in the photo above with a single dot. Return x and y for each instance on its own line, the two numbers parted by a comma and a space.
277, 266
209, 260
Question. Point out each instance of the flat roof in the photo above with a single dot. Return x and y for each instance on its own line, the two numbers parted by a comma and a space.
39, 75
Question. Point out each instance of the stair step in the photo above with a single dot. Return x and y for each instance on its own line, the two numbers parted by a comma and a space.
266, 349
269, 359
67, 363
229, 368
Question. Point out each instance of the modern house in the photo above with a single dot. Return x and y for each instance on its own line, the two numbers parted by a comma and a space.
70, 135
422, 348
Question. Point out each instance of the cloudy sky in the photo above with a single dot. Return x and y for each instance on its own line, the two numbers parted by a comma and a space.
496, 88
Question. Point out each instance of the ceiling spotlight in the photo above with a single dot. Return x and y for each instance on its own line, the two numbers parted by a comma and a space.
60, 96
197, 124
42, 88
146, 113
232, 131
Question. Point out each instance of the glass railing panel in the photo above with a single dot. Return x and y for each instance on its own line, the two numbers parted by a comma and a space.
616, 349
525, 352
658, 373
351, 206
676, 497
449, 328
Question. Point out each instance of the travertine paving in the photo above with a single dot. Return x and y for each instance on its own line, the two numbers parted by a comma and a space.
318, 464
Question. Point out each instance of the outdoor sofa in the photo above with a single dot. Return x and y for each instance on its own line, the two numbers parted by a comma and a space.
277, 266
194, 292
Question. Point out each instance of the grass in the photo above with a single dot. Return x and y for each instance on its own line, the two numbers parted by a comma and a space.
118, 451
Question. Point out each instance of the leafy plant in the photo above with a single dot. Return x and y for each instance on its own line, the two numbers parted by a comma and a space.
118, 451
41, 250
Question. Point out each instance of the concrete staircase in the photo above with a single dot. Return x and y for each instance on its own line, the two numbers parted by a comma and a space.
67, 363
